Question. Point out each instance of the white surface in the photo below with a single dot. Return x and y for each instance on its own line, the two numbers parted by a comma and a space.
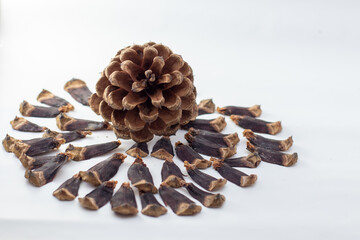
298, 59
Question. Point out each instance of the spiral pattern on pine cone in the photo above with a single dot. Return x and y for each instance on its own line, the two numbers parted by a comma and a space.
146, 90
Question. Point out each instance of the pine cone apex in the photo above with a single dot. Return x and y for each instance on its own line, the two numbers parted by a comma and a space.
146, 90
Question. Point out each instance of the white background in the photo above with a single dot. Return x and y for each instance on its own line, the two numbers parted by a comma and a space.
298, 59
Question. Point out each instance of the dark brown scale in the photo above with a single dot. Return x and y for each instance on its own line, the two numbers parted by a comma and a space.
55, 102
233, 175
78, 90
254, 111
28, 110
23, 125
36, 146
163, 149
257, 125
68, 136
204, 180
227, 140
186, 153
140, 176
47, 172
9, 142
179, 203
124, 134
274, 157
69, 189
150, 205
66, 123
50, 99
204, 146
206, 106
123, 202
207, 199
34, 162
103, 171
212, 125
138, 149
99, 196
250, 161
90, 151
171, 174
272, 144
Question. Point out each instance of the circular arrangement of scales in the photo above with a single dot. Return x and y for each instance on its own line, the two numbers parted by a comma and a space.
146, 90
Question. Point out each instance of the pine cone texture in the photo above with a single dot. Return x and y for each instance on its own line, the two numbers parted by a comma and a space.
146, 90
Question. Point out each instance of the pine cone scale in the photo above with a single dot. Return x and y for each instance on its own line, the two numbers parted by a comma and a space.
148, 113
131, 100
138, 48
166, 78
149, 54
133, 121
105, 111
132, 69
124, 134
115, 99
132, 55
188, 116
172, 101
94, 102
158, 127
170, 117
163, 50
139, 86
157, 65
187, 101
176, 79
183, 89
121, 79
172, 129
113, 66
101, 86
142, 136
157, 98
107, 92
118, 119
185, 70
173, 63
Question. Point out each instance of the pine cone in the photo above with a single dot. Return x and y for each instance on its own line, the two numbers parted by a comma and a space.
146, 90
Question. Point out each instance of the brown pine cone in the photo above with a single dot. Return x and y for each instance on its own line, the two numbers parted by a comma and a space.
146, 90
